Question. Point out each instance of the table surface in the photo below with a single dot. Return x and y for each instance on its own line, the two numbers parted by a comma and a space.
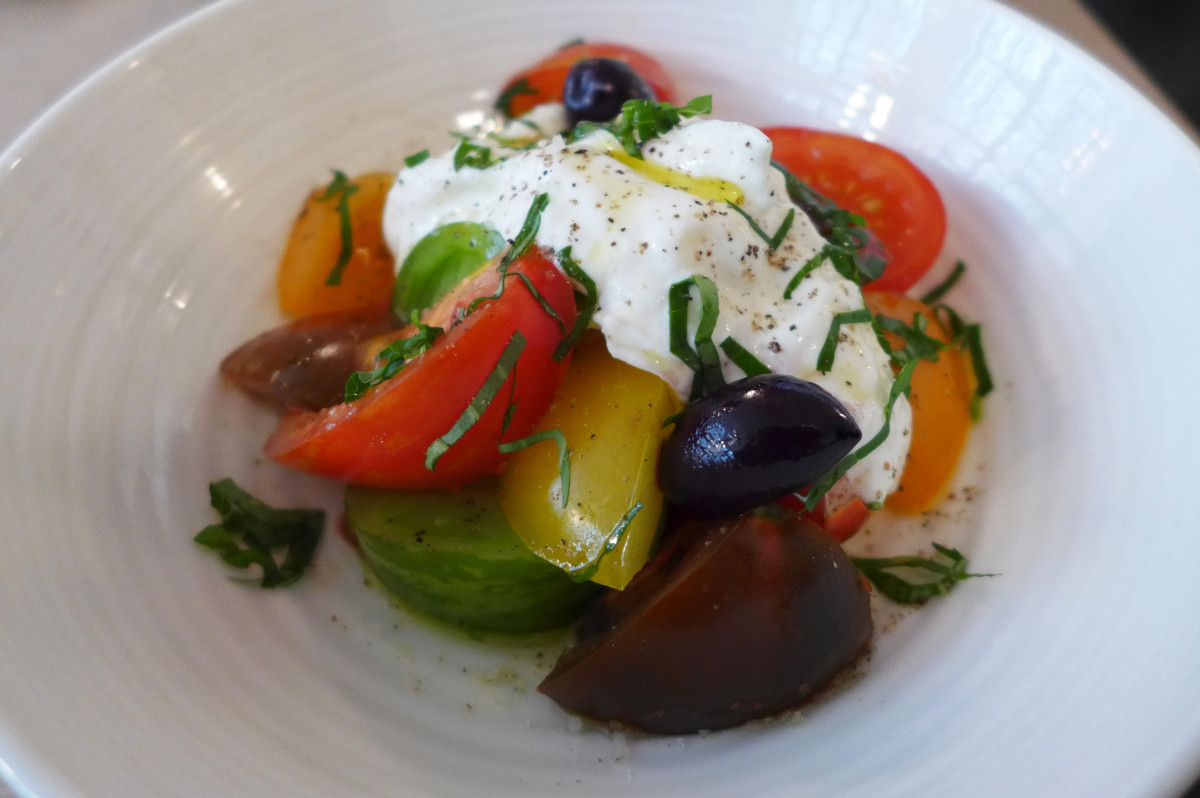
49, 46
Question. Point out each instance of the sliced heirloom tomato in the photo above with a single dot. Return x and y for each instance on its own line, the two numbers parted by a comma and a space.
940, 399
381, 439
611, 415
898, 202
543, 82
840, 513
339, 232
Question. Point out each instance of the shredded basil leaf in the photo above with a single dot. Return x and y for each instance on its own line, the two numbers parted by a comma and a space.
392, 359
947, 569
829, 349
564, 454
774, 241
642, 120
851, 248
474, 156
518, 87
585, 302
480, 402
704, 361
416, 158
743, 358
942, 288
918, 344
584, 572
340, 188
249, 530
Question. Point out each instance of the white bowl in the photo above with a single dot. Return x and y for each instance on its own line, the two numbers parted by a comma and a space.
139, 226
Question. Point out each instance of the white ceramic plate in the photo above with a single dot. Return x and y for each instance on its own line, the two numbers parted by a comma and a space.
139, 225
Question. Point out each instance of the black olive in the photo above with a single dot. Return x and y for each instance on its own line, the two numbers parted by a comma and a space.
751, 442
596, 88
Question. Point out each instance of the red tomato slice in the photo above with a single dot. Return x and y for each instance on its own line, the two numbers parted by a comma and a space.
899, 203
544, 80
380, 440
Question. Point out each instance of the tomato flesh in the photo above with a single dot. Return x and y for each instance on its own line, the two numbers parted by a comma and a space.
544, 80
899, 203
381, 439
315, 246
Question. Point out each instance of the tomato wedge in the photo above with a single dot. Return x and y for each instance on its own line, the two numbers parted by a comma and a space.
940, 399
381, 439
318, 240
899, 203
543, 82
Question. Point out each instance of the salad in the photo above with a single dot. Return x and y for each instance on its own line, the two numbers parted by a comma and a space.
613, 362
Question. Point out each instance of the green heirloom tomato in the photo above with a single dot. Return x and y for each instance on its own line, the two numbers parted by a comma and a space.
453, 555
441, 260
611, 414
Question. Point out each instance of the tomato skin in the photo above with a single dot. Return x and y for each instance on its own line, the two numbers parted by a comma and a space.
380, 440
316, 242
547, 76
611, 415
899, 203
940, 400
840, 513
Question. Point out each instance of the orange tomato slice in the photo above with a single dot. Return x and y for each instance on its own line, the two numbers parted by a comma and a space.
316, 244
940, 399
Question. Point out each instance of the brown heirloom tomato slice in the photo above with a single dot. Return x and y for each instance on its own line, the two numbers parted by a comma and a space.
381, 439
738, 620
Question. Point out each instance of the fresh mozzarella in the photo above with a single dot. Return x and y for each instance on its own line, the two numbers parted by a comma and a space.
635, 235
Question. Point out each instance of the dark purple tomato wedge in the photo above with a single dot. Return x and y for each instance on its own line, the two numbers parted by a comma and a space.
305, 364
734, 621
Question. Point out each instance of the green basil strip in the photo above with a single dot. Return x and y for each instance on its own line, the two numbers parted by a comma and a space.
416, 158
340, 188
474, 156
822, 485
805, 270
973, 340
564, 454
392, 359
743, 358
829, 349
642, 120
704, 361
504, 101
480, 402
942, 288
585, 303
774, 241
671, 419
584, 572
918, 344
249, 529
948, 570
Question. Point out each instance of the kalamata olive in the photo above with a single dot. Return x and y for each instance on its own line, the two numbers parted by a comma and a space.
738, 621
305, 363
751, 442
596, 88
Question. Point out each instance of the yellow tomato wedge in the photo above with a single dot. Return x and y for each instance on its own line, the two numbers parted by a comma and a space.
316, 247
611, 415
940, 399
